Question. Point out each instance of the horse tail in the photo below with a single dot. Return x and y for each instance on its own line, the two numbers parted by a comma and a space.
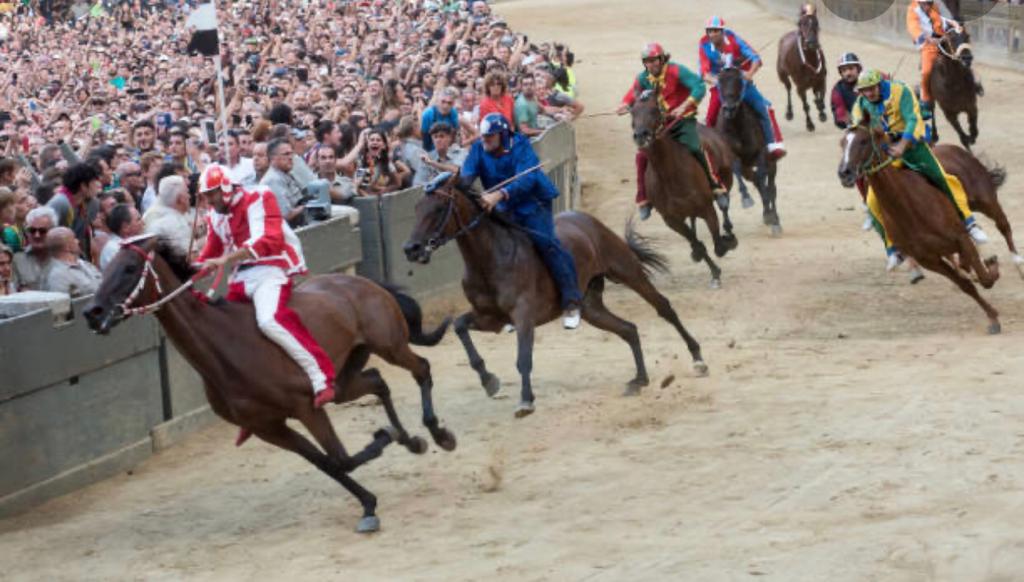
997, 174
414, 319
643, 249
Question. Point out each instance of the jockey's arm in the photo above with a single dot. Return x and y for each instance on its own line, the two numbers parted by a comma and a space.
213, 248
522, 187
228, 259
755, 66
857, 113
629, 98
840, 115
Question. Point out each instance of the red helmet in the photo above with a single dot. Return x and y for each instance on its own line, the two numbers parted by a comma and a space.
652, 50
714, 23
216, 176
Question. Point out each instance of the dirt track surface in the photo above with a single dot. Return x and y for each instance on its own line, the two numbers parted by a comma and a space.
853, 427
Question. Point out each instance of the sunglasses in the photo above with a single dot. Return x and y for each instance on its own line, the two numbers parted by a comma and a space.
34, 230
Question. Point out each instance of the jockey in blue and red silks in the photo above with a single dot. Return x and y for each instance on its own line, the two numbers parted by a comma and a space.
721, 48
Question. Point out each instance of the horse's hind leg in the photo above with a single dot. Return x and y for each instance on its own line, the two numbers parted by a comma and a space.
965, 285
723, 204
522, 318
723, 243
1003, 224
789, 94
463, 324
819, 100
631, 274
282, 436
595, 313
772, 197
420, 369
972, 123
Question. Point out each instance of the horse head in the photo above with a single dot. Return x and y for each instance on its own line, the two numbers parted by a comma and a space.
808, 27
438, 217
863, 147
730, 90
956, 44
124, 278
647, 117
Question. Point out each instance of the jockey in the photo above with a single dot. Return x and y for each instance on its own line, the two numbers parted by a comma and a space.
246, 228
721, 48
501, 155
894, 105
681, 91
844, 93
927, 26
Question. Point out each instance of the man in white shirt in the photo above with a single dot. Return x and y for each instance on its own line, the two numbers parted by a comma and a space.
168, 218
124, 222
446, 157
240, 168
69, 273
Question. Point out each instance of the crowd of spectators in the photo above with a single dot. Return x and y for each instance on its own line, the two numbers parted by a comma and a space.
106, 119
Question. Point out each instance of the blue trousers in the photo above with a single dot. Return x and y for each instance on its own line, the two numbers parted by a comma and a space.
753, 97
559, 262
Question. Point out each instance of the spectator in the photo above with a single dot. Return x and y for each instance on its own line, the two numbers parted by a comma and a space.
14, 234
280, 180
528, 108
129, 175
168, 218
260, 160
241, 168
376, 173
496, 98
69, 273
342, 189
560, 106
442, 110
149, 166
32, 266
124, 222
446, 156
143, 139
8, 169
72, 203
7, 280
100, 233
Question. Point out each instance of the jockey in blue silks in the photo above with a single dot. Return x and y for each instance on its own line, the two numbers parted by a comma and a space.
498, 156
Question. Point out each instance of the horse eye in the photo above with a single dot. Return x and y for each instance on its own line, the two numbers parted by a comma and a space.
130, 269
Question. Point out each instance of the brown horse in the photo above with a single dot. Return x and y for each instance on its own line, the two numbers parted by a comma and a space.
918, 217
740, 125
801, 62
952, 85
676, 184
252, 383
981, 184
507, 283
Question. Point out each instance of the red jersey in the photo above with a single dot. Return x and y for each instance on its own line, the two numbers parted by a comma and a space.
254, 222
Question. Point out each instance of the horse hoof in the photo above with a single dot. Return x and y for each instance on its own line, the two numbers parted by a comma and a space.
445, 439
492, 385
776, 230
822, 117
391, 432
994, 328
700, 368
789, 116
368, 524
696, 257
631, 390
524, 409
810, 126
748, 202
417, 445
715, 283
1018, 262
916, 276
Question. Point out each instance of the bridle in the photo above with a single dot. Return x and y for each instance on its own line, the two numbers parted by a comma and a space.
948, 52
728, 108
438, 239
868, 167
803, 58
148, 272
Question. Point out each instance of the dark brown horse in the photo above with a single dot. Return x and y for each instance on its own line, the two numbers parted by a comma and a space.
507, 283
952, 85
252, 383
918, 217
801, 62
742, 128
676, 184
981, 184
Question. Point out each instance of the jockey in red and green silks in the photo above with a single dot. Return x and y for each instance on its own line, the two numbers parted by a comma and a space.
680, 91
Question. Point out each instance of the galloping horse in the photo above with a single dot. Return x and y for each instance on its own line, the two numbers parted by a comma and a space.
917, 216
952, 85
507, 283
801, 62
252, 383
676, 184
741, 126
981, 184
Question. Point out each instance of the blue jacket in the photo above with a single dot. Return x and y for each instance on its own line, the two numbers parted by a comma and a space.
526, 194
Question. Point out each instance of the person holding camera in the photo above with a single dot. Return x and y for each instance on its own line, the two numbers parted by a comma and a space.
285, 187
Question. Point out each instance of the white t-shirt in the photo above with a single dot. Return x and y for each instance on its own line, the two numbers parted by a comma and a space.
244, 172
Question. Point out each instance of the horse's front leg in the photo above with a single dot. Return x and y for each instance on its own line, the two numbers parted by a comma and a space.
737, 170
522, 318
972, 123
463, 324
807, 109
954, 119
819, 101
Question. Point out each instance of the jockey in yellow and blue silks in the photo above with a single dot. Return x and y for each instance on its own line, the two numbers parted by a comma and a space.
501, 155
894, 105
721, 48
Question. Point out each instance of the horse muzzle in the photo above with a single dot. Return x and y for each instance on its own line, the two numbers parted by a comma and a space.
847, 177
643, 139
418, 253
101, 320
729, 111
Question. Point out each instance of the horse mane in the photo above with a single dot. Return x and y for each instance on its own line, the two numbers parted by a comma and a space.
175, 259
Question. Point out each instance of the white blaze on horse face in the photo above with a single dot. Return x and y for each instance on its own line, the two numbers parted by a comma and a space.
846, 150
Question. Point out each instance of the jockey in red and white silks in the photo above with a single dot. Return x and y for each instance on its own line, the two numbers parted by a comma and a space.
245, 228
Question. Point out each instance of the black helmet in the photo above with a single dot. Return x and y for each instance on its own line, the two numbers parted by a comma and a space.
849, 59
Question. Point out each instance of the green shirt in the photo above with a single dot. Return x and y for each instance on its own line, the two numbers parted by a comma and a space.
526, 111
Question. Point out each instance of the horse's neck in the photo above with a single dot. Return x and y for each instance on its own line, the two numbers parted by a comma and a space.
185, 320
480, 247
891, 196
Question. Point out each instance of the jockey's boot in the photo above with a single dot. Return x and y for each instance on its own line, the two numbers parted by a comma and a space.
895, 259
323, 397
644, 210
926, 110
243, 435
709, 169
776, 148
977, 233
571, 319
